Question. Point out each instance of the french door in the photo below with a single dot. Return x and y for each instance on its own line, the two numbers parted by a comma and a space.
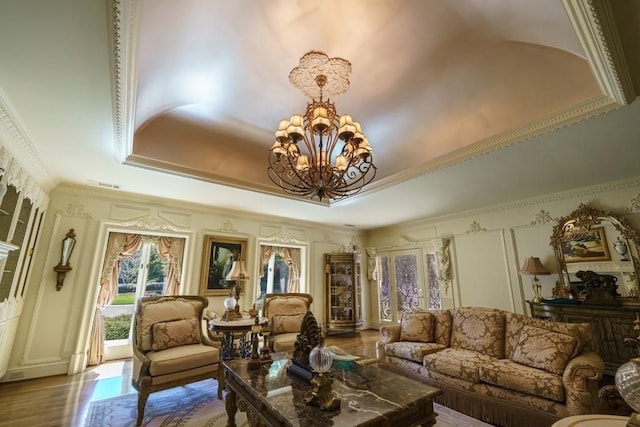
140, 275
400, 283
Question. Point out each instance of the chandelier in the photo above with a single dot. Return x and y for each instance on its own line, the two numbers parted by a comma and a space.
319, 153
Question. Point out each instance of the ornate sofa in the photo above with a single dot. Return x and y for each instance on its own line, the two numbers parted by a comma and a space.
504, 368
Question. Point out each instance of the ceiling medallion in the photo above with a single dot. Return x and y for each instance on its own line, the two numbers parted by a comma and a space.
319, 153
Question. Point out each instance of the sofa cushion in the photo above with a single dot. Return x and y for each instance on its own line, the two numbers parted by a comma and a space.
416, 326
442, 327
582, 332
513, 376
459, 363
543, 349
286, 323
480, 330
287, 305
283, 342
174, 333
411, 350
183, 358
160, 310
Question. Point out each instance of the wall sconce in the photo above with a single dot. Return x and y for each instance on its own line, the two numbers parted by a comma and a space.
63, 266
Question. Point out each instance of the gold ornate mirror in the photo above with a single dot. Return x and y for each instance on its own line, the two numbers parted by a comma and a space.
589, 240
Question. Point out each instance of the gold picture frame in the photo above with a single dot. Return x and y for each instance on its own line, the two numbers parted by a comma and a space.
218, 254
588, 247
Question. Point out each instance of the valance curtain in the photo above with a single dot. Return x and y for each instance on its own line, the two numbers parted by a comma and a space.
119, 246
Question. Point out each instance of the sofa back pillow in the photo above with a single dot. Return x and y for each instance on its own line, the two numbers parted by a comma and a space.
442, 323
479, 329
582, 332
416, 326
286, 323
174, 334
160, 310
544, 349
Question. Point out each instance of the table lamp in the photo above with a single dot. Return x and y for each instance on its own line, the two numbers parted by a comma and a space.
533, 266
237, 274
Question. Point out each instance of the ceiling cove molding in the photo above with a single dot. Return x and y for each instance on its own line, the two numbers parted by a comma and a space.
535, 201
569, 116
124, 18
593, 22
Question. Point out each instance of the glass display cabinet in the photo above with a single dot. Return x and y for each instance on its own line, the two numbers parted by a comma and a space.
344, 293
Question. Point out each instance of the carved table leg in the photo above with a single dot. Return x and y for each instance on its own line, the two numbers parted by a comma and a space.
220, 379
232, 407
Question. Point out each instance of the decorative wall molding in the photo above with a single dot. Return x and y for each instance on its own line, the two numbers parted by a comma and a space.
74, 209
151, 223
543, 217
475, 227
444, 266
228, 227
372, 271
584, 192
634, 205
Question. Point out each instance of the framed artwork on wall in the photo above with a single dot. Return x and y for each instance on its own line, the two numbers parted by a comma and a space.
218, 255
586, 246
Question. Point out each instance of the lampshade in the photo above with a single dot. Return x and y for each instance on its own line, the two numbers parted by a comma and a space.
238, 272
532, 265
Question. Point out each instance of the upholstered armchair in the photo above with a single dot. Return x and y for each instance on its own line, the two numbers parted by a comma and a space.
285, 312
171, 346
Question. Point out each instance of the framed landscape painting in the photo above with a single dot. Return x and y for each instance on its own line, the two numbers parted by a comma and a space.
586, 247
217, 259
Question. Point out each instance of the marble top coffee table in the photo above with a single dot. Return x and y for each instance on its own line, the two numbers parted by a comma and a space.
370, 396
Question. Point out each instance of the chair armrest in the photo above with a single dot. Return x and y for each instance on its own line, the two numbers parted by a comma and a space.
140, 367
388, 333
204, 334
580, 380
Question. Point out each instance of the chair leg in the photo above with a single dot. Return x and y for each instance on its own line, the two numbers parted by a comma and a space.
143, 395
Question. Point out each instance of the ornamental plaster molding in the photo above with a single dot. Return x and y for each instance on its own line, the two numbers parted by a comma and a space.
634, 205
228, 227
444, 266
372, 271
593, 22
475, 227
74, 209
543, 217
284, 236
151, 223
125, 22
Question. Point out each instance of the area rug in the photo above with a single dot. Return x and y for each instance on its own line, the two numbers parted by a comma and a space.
197, 405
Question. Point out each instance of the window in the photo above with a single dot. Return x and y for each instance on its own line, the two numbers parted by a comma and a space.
281, 270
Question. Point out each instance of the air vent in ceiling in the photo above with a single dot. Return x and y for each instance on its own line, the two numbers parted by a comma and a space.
105, 185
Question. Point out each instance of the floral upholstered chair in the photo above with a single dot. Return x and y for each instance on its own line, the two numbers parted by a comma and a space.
171, 346
285, 313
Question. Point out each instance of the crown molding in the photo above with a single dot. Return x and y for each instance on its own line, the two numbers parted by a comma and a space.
593, 23
125, 21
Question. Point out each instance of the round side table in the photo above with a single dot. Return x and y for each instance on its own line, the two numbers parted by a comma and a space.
592, 420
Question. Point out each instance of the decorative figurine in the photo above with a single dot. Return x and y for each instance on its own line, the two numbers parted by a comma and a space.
254, 360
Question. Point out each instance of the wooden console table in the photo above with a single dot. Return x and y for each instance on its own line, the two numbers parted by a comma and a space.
610, 324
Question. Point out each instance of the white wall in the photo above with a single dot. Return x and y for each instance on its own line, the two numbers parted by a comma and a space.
488, 246
52, 337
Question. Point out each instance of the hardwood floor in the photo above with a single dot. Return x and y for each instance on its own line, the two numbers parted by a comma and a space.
63, 400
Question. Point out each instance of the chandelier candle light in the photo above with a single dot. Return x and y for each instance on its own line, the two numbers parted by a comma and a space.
321, 154
533, 266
